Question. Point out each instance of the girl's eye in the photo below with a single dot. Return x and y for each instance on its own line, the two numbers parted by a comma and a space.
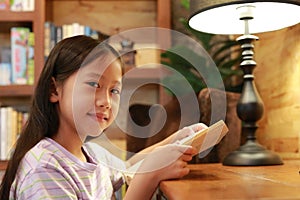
94, 84
115, 91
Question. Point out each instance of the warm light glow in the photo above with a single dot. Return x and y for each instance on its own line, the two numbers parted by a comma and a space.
268, 16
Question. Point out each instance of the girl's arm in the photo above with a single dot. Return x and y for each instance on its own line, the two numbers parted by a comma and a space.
166, 162
178, 135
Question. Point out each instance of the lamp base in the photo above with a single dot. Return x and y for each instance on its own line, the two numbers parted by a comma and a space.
252, 154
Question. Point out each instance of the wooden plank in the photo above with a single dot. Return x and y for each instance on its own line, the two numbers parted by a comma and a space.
164, 13
106, 0
108, 17
277, 54
287, 174
215, 181
38, 28
16, 90
9, 16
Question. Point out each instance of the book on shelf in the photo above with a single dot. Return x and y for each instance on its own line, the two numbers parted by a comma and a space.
5, 65
22, 5
77, 29
59, 34
19, 38
3, 131
47, 25
11, 123
5, 73
4, 5
73, 29
22, 54
5, 54
55, 33
8, 131
30, 59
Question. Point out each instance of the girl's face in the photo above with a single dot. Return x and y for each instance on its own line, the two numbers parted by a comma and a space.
90, 97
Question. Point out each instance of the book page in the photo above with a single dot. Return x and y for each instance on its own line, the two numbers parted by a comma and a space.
208, 137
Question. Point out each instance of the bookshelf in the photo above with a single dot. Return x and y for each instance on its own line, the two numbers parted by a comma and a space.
158, 13
34, 20
150, 12
111, 17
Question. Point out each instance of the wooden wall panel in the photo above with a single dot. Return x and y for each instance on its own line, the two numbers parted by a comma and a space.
109, 17
278, 80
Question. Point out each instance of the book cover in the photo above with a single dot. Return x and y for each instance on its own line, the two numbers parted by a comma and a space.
5, 54
22, 5
16, 5
59, 34
8, 131
208, 137
1, 125
78, 29
67, 30
87, 30
4, 5
10, 135
19, 50
5, 73
28, 5
30, 59
47, 36
52, 36
3, 133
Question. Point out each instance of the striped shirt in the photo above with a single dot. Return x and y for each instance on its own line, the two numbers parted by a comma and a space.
49, 171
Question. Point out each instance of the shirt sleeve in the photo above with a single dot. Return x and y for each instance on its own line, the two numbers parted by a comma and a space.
46, 184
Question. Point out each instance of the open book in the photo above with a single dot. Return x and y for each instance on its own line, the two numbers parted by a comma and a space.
202, 140
206, 138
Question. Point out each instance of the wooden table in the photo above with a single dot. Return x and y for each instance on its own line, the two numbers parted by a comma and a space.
215, 181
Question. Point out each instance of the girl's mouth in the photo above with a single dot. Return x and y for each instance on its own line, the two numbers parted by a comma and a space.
100, 117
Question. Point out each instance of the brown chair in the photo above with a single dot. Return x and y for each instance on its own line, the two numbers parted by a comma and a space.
140, 115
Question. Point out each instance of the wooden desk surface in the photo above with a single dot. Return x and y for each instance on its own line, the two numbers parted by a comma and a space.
215, 181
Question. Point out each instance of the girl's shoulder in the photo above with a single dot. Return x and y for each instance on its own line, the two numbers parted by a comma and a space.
47, 154
44, 154
40, 158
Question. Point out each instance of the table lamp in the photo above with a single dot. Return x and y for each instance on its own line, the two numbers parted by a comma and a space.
245, 17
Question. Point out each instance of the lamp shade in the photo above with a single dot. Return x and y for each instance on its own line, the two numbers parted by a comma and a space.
224, 16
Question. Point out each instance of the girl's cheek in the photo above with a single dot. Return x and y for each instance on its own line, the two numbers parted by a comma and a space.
115, 106
83, 102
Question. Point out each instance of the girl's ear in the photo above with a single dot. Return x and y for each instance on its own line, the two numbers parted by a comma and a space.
53, 91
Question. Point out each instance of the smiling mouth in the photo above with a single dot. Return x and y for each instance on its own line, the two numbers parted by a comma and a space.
99, 117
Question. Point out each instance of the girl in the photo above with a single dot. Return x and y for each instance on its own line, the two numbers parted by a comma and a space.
78, 95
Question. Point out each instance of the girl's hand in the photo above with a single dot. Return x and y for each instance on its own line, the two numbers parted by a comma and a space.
164, 162
184, 132
168, 162
172, 139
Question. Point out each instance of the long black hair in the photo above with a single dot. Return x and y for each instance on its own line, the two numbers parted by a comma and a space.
64, 60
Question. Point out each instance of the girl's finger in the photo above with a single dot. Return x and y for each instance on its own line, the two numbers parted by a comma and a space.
186, 158
186, 149
197, 127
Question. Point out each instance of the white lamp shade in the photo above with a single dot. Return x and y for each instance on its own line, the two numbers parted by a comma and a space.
224, 18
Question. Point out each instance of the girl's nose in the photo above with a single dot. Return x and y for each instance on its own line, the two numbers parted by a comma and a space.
102, 99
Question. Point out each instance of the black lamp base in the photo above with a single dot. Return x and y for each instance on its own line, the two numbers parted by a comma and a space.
252, 154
